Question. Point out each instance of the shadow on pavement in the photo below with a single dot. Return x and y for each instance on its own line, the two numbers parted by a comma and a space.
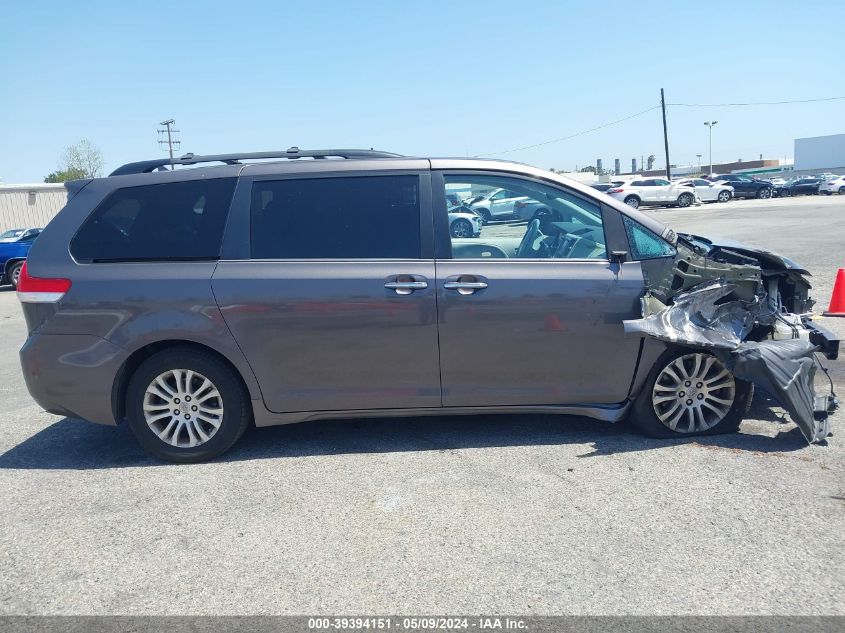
74, 444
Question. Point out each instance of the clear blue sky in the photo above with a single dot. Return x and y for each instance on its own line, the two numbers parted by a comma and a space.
424, 78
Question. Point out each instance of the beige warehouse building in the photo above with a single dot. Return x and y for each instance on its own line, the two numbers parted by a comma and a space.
30, 205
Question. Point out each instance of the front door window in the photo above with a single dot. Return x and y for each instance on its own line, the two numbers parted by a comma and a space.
543, 222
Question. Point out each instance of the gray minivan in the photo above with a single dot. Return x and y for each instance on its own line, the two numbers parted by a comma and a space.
233, 290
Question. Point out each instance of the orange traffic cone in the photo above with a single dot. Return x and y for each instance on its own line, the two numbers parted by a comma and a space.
837, 299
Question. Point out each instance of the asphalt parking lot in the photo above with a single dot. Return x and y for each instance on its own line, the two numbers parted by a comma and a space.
497, 514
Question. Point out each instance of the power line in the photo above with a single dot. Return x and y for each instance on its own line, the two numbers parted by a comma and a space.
566, 138
753, 103
632, 116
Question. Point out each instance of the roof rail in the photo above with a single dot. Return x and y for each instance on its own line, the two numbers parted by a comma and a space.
147, 166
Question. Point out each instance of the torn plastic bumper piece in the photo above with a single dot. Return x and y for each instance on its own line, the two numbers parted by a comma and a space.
784, 368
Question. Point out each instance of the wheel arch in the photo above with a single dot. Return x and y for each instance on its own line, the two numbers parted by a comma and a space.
11, 262
134, 360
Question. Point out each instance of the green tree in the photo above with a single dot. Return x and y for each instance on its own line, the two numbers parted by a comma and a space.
82, 157
589, 168
650, 160
63, 175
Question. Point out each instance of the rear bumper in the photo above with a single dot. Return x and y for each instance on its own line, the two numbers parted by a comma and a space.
825, 339
72, 375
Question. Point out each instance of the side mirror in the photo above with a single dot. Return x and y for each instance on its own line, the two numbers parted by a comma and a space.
618, 257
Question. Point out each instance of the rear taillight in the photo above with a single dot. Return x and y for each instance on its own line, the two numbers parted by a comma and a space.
38, 290
618, 190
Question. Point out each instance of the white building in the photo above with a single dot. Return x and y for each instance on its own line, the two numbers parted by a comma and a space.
820, 153
30, 205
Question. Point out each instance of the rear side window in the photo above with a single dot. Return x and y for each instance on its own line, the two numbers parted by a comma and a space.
165, 222
366, 217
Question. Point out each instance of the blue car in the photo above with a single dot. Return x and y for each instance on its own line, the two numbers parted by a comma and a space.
14, 246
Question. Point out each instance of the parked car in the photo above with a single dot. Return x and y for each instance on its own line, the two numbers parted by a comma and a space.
501, 204
708, 191
653, 191
14, 247
836, 184
745, 187
808, 185
603, 186
17, 235
190, 304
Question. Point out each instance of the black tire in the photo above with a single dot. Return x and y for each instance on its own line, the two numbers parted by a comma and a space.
785, 193
632, 201
842, 191
14, 273
461, 228
644, 416
724, 196
236, 416
765, 193
684, 200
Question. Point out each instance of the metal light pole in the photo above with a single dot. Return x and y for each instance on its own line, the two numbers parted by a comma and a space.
710, 125
699, 163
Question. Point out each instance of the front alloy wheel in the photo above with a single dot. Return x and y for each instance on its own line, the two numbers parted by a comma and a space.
461, 228
765, 194
690, 392
724, 196
693, 393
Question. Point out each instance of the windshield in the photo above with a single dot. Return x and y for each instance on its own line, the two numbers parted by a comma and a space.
11, 233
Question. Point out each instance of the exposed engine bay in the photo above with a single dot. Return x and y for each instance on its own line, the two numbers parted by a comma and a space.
751, 309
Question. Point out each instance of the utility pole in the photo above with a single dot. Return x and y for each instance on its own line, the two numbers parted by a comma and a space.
699, 162
710, 125
170, 142
665, 135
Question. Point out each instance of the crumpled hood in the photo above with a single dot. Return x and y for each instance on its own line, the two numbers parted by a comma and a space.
768, 259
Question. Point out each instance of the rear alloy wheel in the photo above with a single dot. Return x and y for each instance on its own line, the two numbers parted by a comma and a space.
186, 405
766, 193
691, 393
461, 228
684, 200
632, 201
785, 193
842, 191
724, 196
15, 273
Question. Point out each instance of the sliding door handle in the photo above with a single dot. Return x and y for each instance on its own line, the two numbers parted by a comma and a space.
405, 285
408, 285
465, 285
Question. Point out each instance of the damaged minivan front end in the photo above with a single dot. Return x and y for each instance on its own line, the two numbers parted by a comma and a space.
749, 308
